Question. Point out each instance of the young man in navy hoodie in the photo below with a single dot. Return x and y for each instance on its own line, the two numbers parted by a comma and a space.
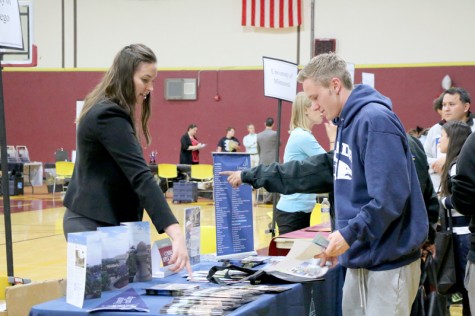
381, 221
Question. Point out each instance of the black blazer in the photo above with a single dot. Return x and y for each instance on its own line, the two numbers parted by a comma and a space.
111, 182
185, 154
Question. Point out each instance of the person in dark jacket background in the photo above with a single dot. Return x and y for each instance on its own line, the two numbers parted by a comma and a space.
190, 146
112, 182
463, 199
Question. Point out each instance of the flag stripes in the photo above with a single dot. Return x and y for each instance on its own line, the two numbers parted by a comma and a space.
271, 13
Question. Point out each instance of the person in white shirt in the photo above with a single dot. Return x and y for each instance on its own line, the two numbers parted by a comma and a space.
250, 142
455, 107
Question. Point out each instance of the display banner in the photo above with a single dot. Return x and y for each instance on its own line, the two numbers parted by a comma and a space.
233, 207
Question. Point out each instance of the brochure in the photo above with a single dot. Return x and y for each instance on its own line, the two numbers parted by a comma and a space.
128, 300
115, 248
83, 267
161, 254
139, 259
192, 233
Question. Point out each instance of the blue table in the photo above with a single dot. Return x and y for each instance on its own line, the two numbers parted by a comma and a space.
296, 301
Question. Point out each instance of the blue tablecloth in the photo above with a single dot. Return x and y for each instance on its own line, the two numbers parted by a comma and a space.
296, 301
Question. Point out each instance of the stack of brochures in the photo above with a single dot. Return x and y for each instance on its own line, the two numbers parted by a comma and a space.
170, 289
217, 300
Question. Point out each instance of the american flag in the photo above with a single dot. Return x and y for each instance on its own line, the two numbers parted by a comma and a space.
271, 13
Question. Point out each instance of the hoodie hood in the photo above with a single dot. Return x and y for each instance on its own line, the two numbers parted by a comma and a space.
359, 97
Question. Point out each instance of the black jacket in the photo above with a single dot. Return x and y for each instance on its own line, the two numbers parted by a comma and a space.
185, 154
111, 182
315, 175
430, 196
463, 188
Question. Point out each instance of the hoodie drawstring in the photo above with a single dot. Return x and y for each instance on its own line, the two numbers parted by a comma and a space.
362, 289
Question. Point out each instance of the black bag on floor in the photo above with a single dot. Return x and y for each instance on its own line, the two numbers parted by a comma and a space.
429, 302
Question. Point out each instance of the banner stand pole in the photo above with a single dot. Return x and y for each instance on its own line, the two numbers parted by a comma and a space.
274, 198
5, 180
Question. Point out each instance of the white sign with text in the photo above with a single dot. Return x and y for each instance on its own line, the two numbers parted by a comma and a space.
280, 79
10, 26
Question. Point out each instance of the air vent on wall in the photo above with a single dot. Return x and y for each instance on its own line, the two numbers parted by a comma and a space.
180, 89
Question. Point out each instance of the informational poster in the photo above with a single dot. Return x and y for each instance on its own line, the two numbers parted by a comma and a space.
10, 28
233, 206
280, 79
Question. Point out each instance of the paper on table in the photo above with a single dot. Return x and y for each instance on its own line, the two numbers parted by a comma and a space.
299, 265
304, 249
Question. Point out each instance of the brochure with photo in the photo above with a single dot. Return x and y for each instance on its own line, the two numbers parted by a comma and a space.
192, 233
115, 247
84, 267
139, 260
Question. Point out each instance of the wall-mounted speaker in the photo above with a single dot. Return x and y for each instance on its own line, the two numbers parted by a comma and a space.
324, 45
180, 89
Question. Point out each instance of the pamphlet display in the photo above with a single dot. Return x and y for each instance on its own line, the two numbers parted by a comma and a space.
83, 267
139, 259
192, 233
234, 222
115, 247
161, 254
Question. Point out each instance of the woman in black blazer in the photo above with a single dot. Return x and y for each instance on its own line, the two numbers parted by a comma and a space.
111, 182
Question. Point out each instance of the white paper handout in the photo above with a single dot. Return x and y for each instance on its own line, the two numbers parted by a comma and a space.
299, 265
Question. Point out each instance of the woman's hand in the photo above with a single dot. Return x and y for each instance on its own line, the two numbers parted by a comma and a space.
331, 130
180, 257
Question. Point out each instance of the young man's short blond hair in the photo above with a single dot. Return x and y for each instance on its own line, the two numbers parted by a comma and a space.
323, 68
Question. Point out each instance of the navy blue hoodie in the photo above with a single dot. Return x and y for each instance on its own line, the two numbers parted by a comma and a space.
379, 206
